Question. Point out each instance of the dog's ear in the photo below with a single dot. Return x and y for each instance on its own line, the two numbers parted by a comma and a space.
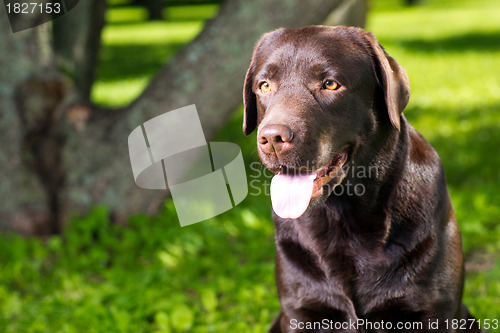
249, 98
394, 81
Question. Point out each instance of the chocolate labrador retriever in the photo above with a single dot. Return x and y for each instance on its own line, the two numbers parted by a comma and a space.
366, 238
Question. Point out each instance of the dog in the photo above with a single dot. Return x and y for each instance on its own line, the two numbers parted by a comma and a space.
366, 237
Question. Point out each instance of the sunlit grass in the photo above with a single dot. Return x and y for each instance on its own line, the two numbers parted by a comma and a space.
151, 33
134, 49
119, 93
126, 14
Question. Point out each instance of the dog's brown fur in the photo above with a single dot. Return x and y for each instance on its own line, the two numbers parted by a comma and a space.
392, 254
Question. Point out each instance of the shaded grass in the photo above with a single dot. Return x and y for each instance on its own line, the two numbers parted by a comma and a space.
488, 41
146, 277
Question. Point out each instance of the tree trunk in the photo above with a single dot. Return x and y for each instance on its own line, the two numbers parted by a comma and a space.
155, 8
33, 93
23, 198
77, 38
92, 143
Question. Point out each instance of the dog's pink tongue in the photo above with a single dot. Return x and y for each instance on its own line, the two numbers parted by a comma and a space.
290, 194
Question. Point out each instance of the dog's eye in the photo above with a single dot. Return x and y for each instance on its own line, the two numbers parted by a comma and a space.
331, 85
265, 87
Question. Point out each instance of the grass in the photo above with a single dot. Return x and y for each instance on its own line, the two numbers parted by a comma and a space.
135, 49
218, 275
451, 51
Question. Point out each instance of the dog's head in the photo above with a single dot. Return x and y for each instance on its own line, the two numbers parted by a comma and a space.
316, 95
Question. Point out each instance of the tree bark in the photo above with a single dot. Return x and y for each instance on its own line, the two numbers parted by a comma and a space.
23, 198
33, 94
155, 8
92, 143
77, 39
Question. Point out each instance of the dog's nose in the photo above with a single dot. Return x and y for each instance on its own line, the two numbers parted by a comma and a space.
274, 138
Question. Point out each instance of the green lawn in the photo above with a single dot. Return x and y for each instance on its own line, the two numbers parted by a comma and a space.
218, 275
451, 51
135, 49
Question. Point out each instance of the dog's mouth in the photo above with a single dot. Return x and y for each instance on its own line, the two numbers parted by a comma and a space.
292, 191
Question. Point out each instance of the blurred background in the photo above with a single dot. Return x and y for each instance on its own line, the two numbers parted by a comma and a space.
82, 249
